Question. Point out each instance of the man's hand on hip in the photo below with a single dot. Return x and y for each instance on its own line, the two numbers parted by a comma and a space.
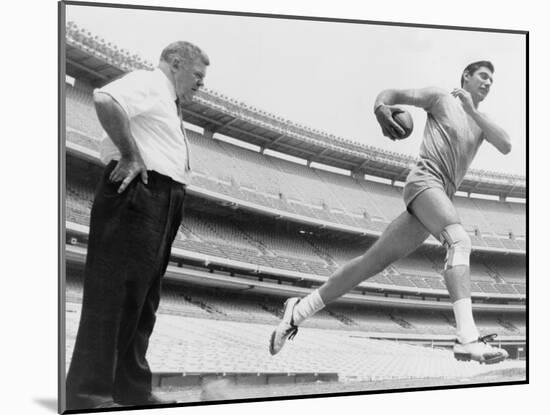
126, 170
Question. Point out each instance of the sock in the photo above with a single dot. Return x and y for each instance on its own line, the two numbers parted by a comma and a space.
466, 329
307, 307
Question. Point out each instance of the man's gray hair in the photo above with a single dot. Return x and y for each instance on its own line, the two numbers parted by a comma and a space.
185, 50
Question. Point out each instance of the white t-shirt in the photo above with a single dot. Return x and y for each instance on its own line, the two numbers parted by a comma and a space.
148, 98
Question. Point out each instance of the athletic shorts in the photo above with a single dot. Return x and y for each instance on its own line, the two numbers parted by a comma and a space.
425, 175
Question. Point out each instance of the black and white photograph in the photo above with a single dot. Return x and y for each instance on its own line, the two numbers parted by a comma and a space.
260, 207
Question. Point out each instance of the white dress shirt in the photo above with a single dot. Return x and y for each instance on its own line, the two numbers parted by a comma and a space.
148, 98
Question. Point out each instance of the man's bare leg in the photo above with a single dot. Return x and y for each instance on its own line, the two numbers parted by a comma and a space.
399, 239
436, 211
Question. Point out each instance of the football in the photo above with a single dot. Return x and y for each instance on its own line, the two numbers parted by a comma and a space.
404, 119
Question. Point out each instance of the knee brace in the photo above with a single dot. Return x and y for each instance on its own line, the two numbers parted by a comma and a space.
458, 244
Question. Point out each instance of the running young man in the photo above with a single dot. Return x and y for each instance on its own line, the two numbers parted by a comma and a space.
454, 131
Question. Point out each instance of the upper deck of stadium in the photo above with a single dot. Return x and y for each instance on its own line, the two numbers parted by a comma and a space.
95, 61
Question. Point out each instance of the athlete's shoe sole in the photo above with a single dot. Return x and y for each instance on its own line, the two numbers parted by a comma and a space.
286, 330
480, 351
467, 357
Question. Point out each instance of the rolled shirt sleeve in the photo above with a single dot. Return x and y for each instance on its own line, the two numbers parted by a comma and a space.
132, 92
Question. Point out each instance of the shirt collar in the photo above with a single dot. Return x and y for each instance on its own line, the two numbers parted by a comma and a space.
170, 89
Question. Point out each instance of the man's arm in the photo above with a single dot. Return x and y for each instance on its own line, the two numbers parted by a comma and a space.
385, 101
115, 122
492, 132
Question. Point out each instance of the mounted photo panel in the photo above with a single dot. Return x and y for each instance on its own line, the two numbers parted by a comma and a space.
261, 207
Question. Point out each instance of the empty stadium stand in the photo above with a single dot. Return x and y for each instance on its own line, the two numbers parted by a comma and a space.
203, 331
217, 304
249, 176
287, 249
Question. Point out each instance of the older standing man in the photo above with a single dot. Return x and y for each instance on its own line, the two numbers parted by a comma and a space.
135, 216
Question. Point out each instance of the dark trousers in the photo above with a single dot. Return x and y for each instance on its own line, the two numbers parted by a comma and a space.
130, 238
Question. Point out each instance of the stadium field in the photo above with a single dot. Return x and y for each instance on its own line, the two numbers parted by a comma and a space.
223, 390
